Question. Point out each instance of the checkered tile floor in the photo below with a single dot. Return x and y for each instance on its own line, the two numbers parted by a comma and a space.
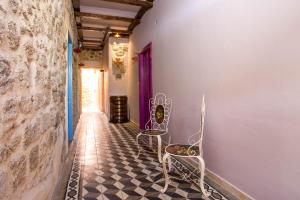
105, 166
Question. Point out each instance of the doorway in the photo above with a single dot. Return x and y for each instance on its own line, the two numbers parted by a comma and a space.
145, 84
91, 86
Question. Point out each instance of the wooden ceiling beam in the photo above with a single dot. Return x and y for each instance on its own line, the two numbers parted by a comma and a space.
103, 29
92, 41
105, 17
120, 35
92, 48
146, 4
76, 5
105, 36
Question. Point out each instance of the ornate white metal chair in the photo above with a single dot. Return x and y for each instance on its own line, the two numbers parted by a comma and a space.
160, 109
191, 150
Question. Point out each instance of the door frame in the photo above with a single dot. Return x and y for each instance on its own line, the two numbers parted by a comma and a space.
102, 93
70, 89
143, 85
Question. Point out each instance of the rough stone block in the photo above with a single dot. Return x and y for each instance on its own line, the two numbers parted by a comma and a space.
26, 30
32, 133
6, 128
26, 104
45, 118
34, 158
13, 36
4, 153
17, 163
10, 109
29, 51
14, 142
10, 105
3, 181
43, 79
18, 168
22, 75
14, 5
37, 101
2, 33
6, 85
5, 69
52, 137
11, 116
43, 62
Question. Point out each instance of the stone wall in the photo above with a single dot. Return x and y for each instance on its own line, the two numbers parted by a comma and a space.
33, 63
91, 58
90, 55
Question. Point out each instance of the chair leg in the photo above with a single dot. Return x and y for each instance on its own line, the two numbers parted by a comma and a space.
170, 163
165, 172
150, 142
138, 145
159, 148
202, 171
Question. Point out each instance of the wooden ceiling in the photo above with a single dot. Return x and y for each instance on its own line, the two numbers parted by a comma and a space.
98, 19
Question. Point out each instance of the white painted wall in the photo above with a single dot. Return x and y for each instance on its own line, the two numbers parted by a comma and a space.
245, 56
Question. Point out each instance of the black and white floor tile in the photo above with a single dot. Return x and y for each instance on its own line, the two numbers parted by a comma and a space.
105, 167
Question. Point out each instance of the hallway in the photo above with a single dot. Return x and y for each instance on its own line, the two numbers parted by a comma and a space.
106, 166
216, 81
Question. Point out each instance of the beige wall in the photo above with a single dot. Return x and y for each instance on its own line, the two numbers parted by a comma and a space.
114, 86
244, 55
33, 67
133, 78
105, 65
117, 86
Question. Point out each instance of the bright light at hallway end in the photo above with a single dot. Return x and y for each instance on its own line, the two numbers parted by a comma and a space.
90, 90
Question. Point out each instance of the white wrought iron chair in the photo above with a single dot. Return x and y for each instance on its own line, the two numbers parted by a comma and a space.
160, 109
191, 150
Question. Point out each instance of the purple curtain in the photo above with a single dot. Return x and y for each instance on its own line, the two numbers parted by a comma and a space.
145, 84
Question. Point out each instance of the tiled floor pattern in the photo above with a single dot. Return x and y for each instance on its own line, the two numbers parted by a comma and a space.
110, 170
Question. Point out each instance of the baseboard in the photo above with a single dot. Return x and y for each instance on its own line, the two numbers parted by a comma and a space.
226, 187
223, 186
106, 116
135, 123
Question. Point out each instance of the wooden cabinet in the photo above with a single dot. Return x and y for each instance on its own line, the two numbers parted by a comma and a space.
118, 109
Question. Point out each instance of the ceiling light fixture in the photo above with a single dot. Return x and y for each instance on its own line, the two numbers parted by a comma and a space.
117, 35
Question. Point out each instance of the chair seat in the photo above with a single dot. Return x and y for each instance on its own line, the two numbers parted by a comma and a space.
153, 132
183, 150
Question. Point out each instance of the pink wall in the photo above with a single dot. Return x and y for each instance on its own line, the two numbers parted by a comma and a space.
245, 56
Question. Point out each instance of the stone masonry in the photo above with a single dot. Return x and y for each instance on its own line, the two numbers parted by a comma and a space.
90, 55
90, 58
33, 64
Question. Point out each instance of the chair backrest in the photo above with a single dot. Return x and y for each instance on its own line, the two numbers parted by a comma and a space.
160, 110
202, 123
197, 138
